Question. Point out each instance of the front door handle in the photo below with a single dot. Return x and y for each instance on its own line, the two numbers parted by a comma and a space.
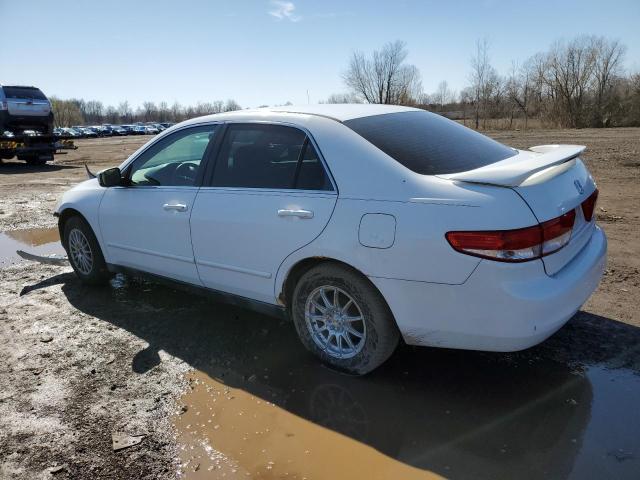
178, 207
295, 213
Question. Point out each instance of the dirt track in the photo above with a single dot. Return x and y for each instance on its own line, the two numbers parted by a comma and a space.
78, 364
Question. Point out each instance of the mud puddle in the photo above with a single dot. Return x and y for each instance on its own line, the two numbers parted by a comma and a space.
230, 433
428, 414
39, 241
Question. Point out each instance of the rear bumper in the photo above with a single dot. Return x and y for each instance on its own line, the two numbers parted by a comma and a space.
501, 307
11, 122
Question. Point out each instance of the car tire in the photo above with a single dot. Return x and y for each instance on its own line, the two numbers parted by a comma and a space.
85, 255
353, 346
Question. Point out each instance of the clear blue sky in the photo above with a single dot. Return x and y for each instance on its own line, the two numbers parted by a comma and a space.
191, 51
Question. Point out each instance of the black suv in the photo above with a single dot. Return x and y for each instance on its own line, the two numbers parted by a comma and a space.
24, 108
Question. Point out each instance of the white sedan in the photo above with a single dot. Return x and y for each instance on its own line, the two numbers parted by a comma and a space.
364, 224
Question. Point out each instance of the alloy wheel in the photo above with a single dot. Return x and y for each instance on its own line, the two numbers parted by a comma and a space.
335, 322
80, 251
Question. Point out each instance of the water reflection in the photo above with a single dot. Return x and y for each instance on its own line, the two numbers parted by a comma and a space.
453, 413
39, 241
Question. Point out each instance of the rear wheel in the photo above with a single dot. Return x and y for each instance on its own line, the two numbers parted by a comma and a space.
84, 252
341, 318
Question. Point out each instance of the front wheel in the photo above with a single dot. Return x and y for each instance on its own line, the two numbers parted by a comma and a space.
341, 318
84, 252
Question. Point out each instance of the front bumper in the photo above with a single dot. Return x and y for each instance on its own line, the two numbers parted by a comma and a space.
501, 307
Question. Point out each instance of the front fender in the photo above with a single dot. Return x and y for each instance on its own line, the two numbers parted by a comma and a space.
85, 199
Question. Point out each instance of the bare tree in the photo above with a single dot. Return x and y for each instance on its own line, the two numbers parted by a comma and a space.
94, 112
231, 105
608, 56
518, 89
65, 112
176, 113
443, 95
343, 98
481, 73
111, 114
570, 69
149, 111
125, 112
466, 99
384, 77
163, 111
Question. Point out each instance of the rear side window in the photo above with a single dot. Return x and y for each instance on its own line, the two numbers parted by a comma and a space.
23, 92
268, 156
428, 143
311, 173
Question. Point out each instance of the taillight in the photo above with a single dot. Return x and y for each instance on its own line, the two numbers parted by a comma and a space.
520, 245
589, 205
557, 232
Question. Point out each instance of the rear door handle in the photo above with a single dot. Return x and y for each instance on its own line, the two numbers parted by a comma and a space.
178, 207
295, 213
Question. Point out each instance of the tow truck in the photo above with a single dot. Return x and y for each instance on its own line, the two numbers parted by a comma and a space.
26, 126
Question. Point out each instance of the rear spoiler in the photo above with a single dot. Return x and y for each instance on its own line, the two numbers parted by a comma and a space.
516, 170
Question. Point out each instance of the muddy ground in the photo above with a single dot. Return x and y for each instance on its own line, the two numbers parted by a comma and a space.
213, 391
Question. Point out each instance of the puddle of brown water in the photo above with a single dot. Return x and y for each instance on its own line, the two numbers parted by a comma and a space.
229, 433
39, 241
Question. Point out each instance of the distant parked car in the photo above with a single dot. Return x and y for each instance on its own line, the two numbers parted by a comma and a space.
363, 223
128, 129
87, 132
101, 130
118, 131
167, 124
24, 108
70, 132
151, 130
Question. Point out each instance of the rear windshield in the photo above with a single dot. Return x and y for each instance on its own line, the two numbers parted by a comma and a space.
23, 92
428, 143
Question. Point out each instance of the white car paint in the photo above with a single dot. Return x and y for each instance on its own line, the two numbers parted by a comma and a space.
138, 231
252, 217
383, 219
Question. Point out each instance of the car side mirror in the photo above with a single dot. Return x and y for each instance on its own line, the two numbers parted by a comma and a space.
111, 177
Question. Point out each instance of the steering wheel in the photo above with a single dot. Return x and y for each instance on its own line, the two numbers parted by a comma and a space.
186, 172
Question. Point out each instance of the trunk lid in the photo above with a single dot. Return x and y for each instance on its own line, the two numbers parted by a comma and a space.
28, 107
552, 180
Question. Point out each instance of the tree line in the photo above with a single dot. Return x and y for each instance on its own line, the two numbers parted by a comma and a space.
579, 83
93, 112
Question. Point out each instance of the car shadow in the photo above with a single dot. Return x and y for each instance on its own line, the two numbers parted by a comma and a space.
19, 167
461, 414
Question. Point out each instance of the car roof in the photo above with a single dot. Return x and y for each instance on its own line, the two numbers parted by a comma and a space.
19, 86
338, 112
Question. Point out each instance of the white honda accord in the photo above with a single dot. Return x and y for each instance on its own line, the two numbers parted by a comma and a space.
362, 223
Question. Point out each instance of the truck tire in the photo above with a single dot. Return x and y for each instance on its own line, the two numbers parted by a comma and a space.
36, 161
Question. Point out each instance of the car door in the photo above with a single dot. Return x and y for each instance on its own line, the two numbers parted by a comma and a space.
145, 225
269, 194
